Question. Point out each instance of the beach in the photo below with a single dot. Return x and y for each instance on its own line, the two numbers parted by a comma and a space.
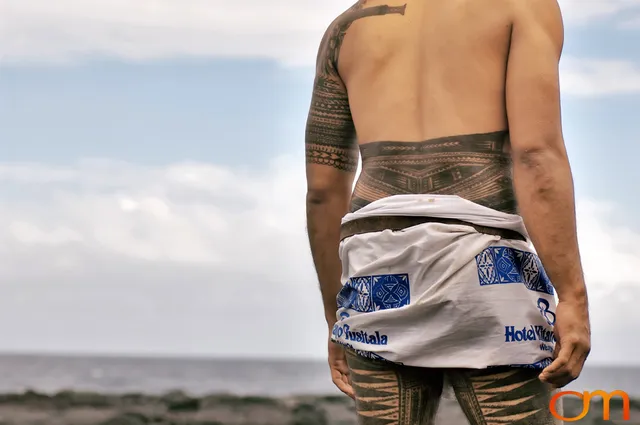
117, 390
178, 408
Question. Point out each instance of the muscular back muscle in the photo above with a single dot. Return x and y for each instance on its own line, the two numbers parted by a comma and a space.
420, 86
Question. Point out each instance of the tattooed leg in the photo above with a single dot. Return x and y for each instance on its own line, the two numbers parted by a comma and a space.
389, 394
499, 396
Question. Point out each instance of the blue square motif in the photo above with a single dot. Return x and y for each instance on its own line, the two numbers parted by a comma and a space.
500, 265
372, 293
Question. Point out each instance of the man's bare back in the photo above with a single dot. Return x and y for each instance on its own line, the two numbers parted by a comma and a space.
418, 73
450, 97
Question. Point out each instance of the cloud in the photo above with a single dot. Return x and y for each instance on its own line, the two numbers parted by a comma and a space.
585, 77
173, 248
586, 11
40, 30
71, 30
106, 256
185, 213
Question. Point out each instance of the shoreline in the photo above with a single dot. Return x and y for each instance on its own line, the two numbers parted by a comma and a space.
180, 408
172, 408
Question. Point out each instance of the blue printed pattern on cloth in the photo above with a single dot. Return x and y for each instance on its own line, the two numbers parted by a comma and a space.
366, 354
369, 355
537, 365
372, 293
500, 265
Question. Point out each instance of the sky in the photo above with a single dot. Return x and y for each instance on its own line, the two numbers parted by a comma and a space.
152, 175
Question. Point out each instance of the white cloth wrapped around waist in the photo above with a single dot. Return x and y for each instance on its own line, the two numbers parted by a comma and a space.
444, 295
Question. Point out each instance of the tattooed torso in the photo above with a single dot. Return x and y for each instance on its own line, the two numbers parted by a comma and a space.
426, 120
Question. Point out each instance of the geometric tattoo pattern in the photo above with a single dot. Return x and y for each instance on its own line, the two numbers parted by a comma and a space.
503, 396
330, 133
476, 167
389, 394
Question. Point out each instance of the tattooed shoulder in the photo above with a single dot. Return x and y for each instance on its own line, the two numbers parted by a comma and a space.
330, 133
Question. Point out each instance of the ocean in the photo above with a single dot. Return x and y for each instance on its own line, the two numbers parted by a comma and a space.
210, 376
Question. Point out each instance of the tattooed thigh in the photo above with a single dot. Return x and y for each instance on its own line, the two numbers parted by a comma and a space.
505, 395
390, 394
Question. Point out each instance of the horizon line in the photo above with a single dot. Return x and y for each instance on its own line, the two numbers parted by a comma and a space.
209, 356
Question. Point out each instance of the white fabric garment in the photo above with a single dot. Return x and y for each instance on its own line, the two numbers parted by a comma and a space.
442, 295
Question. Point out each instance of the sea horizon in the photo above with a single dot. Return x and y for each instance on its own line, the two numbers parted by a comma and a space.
199, 375
207, 357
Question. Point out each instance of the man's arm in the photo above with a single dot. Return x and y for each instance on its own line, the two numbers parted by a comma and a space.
331, 162
541, 172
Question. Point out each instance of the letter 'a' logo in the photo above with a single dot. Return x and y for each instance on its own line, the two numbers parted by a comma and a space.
586, 401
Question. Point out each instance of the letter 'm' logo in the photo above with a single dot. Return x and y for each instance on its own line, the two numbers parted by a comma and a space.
586, 401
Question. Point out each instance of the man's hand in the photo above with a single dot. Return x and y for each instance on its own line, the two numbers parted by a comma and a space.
339, 368
573, 344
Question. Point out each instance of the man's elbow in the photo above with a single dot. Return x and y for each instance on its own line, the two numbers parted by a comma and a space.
318, 196
321, 194
541, 168
539, 152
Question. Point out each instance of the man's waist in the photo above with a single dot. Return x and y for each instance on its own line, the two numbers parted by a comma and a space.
373, 224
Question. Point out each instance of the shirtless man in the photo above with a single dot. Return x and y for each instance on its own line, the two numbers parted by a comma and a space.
398, 81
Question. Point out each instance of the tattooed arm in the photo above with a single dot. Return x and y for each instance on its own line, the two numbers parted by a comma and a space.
331, 162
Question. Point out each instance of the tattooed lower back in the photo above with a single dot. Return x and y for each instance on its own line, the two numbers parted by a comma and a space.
476, 167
